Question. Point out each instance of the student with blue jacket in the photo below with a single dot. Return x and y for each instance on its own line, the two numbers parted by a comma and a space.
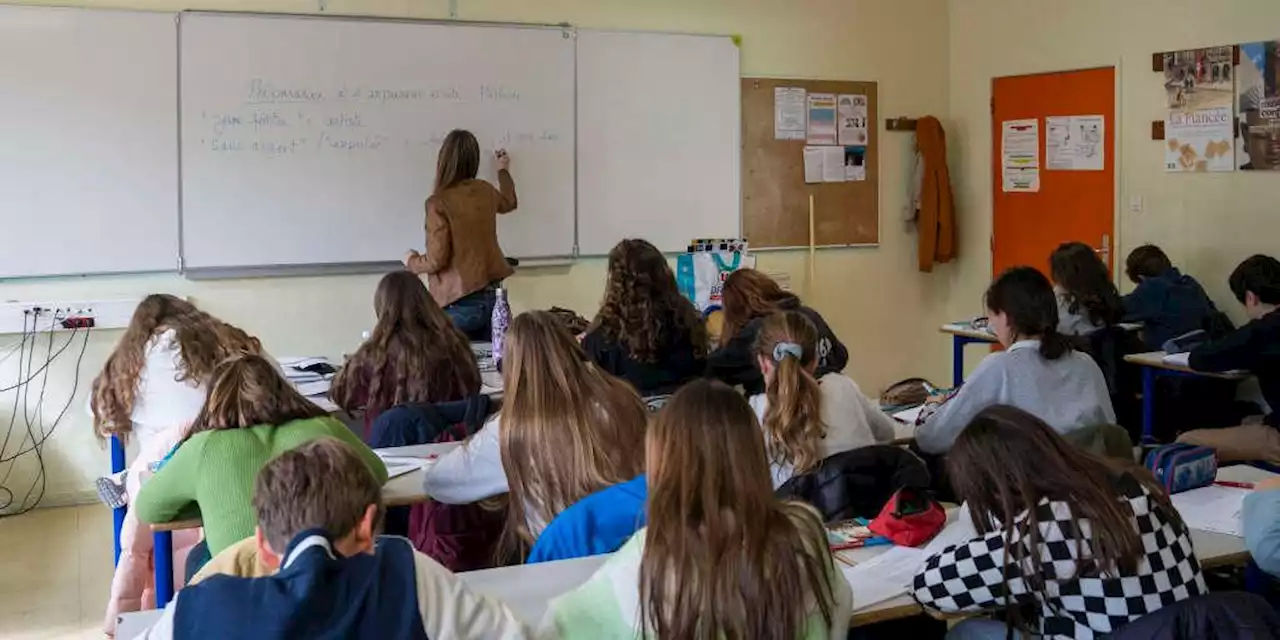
318, 509
1166, 302
1261, 519
599, 523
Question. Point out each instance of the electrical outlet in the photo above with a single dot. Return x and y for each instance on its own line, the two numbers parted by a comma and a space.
16, 317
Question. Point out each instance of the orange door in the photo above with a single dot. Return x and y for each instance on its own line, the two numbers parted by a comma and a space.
1071, 205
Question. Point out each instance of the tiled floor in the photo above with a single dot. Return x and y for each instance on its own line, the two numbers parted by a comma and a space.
55, 572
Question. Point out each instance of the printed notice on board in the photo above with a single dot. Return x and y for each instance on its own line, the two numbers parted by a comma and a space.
1074, 143
788, 113
813, 164
822, 118
1020, 156
855, 164
852, 110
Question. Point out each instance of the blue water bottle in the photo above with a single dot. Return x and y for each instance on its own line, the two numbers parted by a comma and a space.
498, 324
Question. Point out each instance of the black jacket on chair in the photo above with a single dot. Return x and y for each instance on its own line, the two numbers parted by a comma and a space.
1229, 615
857, 483
409, 424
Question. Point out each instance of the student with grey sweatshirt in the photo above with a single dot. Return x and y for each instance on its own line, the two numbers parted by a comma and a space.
1037, 372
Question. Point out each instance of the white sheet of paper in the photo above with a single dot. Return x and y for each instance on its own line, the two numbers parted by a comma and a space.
909, 415
1059, 154
788, 113
1213, 508
959, 528
883, 577
1020, 155
833, 164
1088, 136
813, 164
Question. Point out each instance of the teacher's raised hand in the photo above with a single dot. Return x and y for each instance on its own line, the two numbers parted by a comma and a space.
503, 158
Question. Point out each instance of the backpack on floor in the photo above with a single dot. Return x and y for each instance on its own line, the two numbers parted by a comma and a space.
1180, 467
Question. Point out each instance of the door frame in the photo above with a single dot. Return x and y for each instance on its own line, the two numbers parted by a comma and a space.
1118, 160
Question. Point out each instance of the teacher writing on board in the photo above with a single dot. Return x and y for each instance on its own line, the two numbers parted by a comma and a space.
464, 262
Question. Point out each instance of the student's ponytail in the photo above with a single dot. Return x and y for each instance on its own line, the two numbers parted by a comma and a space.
1053, 345
792, 423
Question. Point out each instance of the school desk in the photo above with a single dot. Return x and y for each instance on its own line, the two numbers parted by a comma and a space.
963, 334
1153, 367
400, 491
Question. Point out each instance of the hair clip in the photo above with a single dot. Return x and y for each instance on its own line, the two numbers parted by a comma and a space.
784, 349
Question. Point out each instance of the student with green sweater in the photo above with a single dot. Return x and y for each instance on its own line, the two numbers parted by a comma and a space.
252, 415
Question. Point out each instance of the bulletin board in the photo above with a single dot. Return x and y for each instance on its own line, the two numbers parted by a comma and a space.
775, 197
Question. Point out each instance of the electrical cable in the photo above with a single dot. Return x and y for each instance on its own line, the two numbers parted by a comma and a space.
35, 422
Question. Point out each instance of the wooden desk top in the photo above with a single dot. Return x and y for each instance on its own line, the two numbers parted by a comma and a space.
1155, 360
966, 330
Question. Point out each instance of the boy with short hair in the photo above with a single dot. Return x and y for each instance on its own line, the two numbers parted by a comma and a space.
1255, 347
1166, 302
319, 509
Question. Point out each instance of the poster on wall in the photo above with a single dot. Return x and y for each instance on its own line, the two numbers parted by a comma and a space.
822, 118
1198, 130
1020, 156
852, 111
1258, 138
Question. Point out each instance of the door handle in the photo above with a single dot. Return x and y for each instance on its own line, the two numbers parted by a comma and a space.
1104, 252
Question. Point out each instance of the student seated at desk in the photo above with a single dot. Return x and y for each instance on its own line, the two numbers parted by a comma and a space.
1166, 302
1090, 546
1260, 519
318, 510
152, 387
1087, 299
721, 557
566, 429
1255, 347
806, 420
252, 415
749, 297
414, 354
1038, 371
646, 332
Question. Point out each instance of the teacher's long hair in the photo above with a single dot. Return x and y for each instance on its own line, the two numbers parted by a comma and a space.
723, 557
459, 159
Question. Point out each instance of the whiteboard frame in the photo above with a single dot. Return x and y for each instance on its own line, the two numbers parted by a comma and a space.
356, 268
736, 39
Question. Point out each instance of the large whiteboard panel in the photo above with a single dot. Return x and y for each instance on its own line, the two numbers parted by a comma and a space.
314, 141
89, 161
658, 139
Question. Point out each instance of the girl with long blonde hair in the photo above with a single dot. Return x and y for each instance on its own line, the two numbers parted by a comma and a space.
807, 418
566, 430
721, 556
749, 297
414, 354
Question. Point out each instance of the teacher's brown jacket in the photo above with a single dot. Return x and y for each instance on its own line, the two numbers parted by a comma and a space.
463, 255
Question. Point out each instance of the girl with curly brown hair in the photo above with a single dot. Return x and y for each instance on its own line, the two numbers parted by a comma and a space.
415, 354
646, 332
749, 297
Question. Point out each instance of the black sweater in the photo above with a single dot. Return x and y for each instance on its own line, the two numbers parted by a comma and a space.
1255, 347
677, 362
735, 362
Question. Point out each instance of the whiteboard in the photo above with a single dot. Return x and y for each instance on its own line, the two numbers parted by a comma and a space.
310, 141
658, 139
88, 166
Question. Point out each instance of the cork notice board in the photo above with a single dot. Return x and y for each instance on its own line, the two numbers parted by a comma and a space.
775, 198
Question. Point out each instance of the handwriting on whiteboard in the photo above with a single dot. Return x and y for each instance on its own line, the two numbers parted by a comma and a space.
277, 120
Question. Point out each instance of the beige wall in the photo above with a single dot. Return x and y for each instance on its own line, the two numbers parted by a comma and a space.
1206, 222
876, 301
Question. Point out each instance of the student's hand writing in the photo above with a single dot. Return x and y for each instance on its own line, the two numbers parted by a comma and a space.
503, 159
1268, 484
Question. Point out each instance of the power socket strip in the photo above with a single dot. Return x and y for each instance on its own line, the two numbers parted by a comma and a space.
16, 317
